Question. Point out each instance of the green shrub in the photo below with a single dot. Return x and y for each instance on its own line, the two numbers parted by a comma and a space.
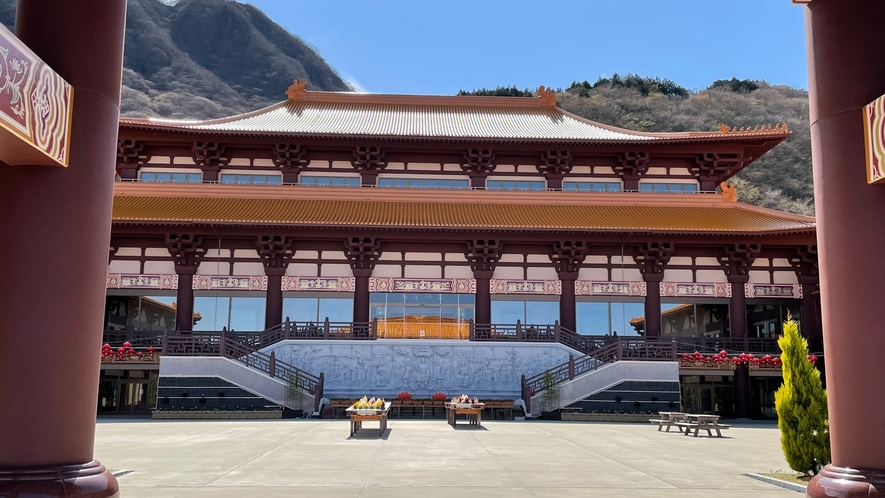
801, 404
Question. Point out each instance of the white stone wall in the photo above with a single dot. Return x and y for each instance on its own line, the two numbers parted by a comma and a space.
421, 367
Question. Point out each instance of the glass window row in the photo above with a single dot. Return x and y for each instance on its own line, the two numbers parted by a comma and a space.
431, 183
240, 179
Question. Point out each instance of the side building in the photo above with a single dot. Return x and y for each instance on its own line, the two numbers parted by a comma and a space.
453, 219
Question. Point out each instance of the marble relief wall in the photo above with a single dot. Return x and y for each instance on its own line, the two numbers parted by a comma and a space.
422, 367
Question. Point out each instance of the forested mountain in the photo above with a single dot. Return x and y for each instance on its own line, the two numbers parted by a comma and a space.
781, 179
214, 58
208, 58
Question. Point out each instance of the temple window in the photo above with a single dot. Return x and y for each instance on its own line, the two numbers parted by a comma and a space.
431, 183
592, 186
250, 179
532, 310
515, 185
330, 181
668, 188
169, 177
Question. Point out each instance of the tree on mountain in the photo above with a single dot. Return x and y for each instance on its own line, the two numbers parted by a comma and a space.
801, 405
735, 85
501, 91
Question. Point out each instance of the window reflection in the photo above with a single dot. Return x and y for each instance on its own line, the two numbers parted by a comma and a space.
140, 313
423, 315
527, 309
315, 307
230, 311
609, 317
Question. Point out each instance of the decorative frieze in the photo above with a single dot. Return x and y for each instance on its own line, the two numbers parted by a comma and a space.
423, 285
136, 281
690, 289
540, 287
789, 291
242, 283
318, 284
624, 289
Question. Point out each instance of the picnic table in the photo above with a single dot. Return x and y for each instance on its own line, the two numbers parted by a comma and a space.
360, 415
707, 423
669, 419
472, 410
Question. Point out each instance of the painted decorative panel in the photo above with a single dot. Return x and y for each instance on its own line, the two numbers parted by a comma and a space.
216, 282
431, 285
689, 289
318, 284
593, 288
35, 107
499, 286
790, 291
874, 138
136, 281
421, 367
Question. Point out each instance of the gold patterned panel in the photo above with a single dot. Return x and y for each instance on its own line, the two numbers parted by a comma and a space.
417, 327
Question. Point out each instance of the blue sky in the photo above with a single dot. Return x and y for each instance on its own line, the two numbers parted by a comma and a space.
439, 47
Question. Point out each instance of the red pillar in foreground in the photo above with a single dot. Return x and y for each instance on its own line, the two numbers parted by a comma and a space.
846, 72
54, 235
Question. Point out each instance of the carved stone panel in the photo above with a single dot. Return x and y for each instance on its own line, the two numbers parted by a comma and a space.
385, 368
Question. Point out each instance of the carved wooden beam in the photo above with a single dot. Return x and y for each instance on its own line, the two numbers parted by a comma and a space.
554, 165
130, 155
652, 259
209, 157
478, 163
369, 161
806, 266
567, 257
483, 256
633, 166
711, 169
276, 253
362, 253
737, 261
186, 250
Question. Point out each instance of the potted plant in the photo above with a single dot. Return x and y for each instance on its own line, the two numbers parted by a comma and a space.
294, 395
551, 398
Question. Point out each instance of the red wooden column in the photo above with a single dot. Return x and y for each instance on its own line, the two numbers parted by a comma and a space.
276, 252
736, 264
363, 253
483, 256
653, 258
567, 257
844, 39
805, 264
187, 251
54, 235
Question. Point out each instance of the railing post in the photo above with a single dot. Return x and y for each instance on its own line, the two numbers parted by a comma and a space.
557, 331
519, 336
620, 353
318, 393
273, 363
526, 396
221, 341
571, 367
472, 331
288, 329
163, 346
374, 328
326, 328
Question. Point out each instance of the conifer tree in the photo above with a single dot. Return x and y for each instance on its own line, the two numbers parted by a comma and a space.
801, 404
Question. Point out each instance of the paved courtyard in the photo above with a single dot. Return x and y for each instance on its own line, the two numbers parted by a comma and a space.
429, 459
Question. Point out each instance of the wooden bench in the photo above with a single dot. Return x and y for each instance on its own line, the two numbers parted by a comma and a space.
707, 423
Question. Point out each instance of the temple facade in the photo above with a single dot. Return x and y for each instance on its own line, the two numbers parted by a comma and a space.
451, 218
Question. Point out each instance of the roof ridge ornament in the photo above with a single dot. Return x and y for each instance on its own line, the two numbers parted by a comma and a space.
548, 98
776, 129
297, 89
729, 192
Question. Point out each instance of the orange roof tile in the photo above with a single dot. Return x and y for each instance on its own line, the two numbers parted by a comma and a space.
384, 208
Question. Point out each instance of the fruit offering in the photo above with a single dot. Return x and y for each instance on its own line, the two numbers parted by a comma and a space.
465, 399
368, 404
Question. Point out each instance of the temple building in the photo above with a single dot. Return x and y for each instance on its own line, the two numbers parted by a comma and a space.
437, 224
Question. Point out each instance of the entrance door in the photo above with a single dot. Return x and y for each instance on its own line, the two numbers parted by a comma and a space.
133, 396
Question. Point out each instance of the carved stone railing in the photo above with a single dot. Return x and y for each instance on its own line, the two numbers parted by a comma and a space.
638, 349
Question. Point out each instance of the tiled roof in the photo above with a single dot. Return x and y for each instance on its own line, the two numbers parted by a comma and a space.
434, 213
424, 117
